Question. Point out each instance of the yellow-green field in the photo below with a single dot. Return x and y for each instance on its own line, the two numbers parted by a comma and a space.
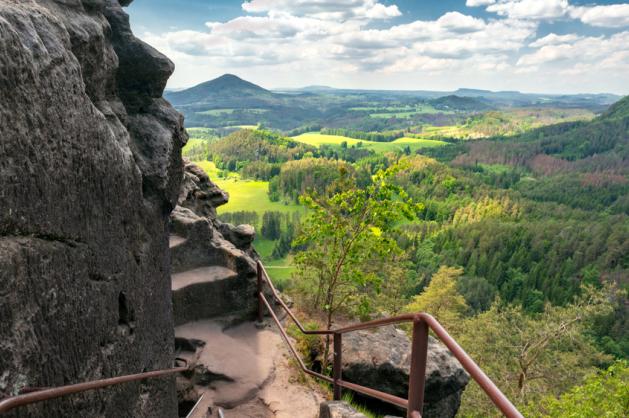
316, 139
399, 112
248, 195
223, 112
245, 195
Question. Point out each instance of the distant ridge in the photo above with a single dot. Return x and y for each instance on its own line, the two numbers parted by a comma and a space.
462, 103
225, 87
317, 88
620, 109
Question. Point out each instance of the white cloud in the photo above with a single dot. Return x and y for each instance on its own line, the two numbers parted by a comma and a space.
458, 22
325, 9
585, 53
319, 40
530, 9
610, 16
279, 37
554, 39
478, 3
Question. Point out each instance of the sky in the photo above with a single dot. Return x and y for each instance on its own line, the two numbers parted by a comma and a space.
543, 46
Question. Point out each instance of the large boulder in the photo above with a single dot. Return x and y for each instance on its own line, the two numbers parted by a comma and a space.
90, 169
380, 359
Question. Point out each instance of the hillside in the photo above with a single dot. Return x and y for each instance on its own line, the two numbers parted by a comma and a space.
226, 88
229, 101
459, 103
620, 109
580, 164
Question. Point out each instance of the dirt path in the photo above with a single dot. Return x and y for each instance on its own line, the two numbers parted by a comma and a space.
255, 377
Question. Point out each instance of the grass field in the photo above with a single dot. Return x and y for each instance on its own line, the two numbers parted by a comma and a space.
248, 195
316, 139
280, 270
245, 195
241, 127
399, 112
223, 112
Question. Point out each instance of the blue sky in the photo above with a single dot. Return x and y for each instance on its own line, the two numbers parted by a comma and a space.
554, 46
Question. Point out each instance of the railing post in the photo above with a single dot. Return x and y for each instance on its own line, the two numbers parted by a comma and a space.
417, 377
259, 292
337, 371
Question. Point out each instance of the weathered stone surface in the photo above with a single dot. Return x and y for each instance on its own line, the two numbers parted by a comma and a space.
241, 236
381, 360
89, 171
199, 194
338, 409
213, 263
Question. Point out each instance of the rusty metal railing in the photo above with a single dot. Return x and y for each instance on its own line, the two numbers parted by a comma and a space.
422, 322
30, 396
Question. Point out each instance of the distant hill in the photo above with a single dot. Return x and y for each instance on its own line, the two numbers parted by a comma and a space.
465, 104
229, 101
225, 89
620, 109
317, 88
599, 145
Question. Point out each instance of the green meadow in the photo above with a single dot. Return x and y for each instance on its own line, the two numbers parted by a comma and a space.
251, 195
281, 269
316, 139
399, 112
223, 112
244, 195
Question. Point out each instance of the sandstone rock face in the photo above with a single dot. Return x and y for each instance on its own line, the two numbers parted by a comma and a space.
89, 171
213, 264
213, 285
380, 359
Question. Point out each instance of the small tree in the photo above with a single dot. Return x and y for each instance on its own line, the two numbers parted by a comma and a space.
349, 248
441, 298
603, 394
532, 355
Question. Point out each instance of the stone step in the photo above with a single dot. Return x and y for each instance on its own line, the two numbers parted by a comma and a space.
201, 275
208, 292
244, 369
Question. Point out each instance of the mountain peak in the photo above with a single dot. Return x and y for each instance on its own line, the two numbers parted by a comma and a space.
228, 76
227, 85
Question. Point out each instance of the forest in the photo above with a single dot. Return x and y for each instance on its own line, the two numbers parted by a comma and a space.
523, 229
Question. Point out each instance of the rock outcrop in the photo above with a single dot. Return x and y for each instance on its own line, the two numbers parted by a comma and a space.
90, 169
213, 263
238, 366
380, 359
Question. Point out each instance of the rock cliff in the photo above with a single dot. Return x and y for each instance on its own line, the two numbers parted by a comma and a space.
90, 169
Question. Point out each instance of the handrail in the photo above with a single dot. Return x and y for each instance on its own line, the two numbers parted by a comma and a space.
419, 351
10, 403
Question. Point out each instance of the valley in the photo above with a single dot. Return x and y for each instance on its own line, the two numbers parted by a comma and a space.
245, 247
528, 205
